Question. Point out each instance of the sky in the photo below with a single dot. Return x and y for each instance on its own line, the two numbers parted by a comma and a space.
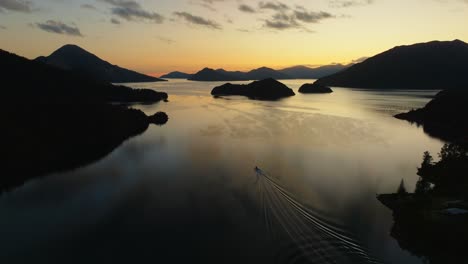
159, 36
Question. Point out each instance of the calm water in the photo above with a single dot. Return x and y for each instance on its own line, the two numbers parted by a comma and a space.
188, 192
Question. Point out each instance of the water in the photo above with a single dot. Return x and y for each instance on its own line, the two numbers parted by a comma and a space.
188, 191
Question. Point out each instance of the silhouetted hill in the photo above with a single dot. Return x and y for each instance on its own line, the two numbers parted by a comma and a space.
268, 89
304, 72
26, 80
315, 88
432, 65
177, 75
72, 57
445, 116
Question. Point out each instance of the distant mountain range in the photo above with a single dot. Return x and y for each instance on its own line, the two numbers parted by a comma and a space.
74, 58
296, 72
432, 65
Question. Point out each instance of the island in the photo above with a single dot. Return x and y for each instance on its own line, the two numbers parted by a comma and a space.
267, 89
315, 88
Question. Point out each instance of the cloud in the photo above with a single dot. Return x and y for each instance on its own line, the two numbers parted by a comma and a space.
132, 11
2, 27
88, 6
16, 5
277, 6
278, 24
58, 27
359, 60
165, 40
285, 17
350, 3
115, 21
311, 17
246, 9
197, 20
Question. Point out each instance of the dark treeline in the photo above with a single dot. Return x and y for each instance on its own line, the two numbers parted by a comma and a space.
431, 222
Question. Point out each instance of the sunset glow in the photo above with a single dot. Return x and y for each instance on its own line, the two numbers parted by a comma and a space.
156, 37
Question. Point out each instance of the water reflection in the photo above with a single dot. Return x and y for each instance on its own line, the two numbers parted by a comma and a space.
186, 192
48, 138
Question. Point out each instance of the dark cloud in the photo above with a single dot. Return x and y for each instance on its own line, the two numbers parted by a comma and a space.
2, 27
16, 5
115, 21
289, 18
350, 3
133, 11
278, 24
246, 9
277, 6
311, 17
58, 27
88, 6
197, 20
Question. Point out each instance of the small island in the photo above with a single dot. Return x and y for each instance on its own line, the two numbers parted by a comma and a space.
267, 89
315, 88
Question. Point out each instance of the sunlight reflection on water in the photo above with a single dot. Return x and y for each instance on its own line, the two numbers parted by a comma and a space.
186, 191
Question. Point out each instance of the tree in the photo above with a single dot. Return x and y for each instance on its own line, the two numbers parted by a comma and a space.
402, 188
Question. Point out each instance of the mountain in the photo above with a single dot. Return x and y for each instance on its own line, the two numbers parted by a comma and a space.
267, 89
432, 65
176, 75
304, 72
26, 80
72, 57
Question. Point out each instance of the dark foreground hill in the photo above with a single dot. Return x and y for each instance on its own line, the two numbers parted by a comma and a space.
268, 89
444, 117
56, 120
72, 57
432, 65
24, 79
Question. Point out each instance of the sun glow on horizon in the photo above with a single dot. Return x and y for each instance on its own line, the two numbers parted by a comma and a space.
157, 37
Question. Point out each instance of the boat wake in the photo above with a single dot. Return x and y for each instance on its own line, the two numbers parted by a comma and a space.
311, 238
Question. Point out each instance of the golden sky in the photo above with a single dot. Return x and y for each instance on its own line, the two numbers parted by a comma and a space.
158, 36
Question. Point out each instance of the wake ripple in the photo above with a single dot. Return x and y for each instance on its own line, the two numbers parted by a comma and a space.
312, 239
